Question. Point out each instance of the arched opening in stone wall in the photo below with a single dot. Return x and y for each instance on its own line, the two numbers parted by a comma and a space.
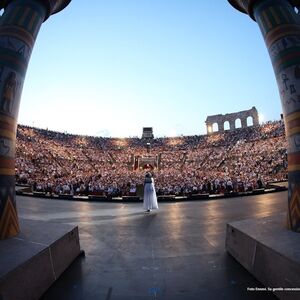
226, 125
238, 123
215, 127
250, 121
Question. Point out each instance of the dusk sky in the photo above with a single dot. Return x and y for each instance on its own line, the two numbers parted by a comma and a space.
109, 68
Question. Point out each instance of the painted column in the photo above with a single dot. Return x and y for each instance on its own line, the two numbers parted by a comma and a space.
280, 27
19, 26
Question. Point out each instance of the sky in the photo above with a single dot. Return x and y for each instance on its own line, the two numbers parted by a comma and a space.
111, 67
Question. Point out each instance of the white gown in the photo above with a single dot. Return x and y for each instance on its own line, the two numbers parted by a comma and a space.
150, 199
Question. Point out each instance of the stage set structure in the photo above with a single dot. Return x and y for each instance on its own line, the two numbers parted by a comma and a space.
20, 23
278, 21
264, 245
19, 26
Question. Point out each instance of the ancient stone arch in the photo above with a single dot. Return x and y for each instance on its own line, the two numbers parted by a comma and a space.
238, 123
231, 118
215, 127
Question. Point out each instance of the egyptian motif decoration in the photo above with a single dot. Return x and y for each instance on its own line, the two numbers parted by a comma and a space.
9, 93
280, 28
19, 26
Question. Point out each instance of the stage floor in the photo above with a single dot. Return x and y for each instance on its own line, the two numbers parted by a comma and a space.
175, 253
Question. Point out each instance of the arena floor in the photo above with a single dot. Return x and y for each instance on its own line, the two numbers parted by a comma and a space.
175, 253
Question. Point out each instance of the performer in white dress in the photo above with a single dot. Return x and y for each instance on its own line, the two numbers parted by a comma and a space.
150, 199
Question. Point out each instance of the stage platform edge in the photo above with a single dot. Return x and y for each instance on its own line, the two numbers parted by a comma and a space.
32, 261
269, 251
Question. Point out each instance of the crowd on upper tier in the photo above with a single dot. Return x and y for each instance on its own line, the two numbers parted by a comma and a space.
240, 160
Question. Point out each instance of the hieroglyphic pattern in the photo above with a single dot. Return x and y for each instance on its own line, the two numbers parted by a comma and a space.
19, 26
281, 32
280, 27
9, 226
18, 29
294, 202
247, 6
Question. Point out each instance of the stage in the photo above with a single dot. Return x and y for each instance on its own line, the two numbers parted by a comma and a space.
175, 253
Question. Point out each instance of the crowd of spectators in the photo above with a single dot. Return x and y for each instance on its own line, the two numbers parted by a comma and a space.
240, 160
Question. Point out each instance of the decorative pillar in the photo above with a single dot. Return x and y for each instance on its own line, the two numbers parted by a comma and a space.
19, 26
279, 24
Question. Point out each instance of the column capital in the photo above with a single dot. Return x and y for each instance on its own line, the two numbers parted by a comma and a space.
246, 6
52, 6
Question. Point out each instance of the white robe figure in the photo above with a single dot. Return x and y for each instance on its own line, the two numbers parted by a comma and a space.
150, 199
